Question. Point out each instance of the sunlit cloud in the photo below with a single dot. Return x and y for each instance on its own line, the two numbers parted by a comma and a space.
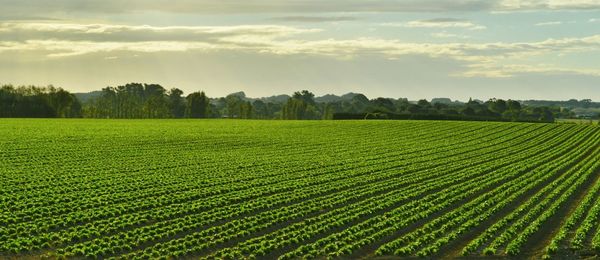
549, 23
548, 5
511, 70
66, 40
110, 29
438, 23
449, 35
451, 41
314, 19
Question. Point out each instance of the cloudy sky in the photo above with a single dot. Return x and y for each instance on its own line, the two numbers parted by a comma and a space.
520, 49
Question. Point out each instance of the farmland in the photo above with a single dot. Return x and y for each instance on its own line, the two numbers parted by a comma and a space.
297, 189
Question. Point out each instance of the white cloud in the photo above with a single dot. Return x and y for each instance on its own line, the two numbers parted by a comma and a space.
549, 23
314, 19
112, 29
594, 20
64, 40
438, 23
511, 70
100, 33
547, 4
449, 35
275, 39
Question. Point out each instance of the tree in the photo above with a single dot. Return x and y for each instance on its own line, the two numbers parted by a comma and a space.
359, 103
424, 103
234, 102
260, 109
586, 103
274, 109
401, 105
246, 110
440, 106
300, 106
294, 109
497, 105
546, 115
34, 101
306, 96
133, 100
468, 111
383, 105
197, 105
446, 101
61, 101
500, 106
513, 106
485, 112
176, 103
155, 102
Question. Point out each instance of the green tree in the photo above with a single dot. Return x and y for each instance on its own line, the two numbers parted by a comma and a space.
246, 110
306, 96
382, 105
197, 105
328, 111
359, 103
468, 111
513, 106
301, 106
34, 101
176, 103
260, 109
234, 104
133, 100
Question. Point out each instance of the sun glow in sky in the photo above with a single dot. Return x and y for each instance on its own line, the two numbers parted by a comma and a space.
520, 49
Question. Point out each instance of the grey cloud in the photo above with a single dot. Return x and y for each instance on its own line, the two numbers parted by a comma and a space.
66, 7
8, 17
70, 7
63, 40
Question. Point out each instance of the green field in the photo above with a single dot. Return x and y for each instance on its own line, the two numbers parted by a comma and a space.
297, 189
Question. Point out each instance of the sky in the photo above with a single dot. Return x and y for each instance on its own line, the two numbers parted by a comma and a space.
517, 49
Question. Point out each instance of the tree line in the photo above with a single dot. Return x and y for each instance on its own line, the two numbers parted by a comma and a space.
137, 100
40, 102
491, 110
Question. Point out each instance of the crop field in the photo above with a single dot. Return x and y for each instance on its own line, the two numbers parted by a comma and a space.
297, 189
